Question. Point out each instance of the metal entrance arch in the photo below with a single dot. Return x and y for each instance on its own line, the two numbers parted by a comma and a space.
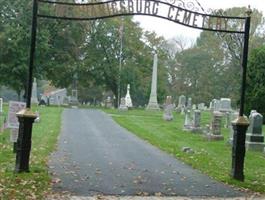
176, 11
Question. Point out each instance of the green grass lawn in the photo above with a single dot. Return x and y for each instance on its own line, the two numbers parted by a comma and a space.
211, 157
36, 184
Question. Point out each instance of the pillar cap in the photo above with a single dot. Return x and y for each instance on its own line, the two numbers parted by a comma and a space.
241, 120
26, 113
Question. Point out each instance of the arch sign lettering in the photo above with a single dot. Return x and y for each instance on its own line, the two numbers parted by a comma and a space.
178, 11
156, 8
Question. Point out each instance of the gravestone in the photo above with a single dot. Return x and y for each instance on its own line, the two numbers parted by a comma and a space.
188, 122
37, 120
128, 100
254, 137
108, 103
194, 107
216, 105
189, 103
14, 108
152, 104
168, 109
182, 101
14, 135
211, 105
233, 116
215, 130
196, 125
201, 106
123, 106
12, 120
34, 93
227, 116
1, 105
225, 105
181, 105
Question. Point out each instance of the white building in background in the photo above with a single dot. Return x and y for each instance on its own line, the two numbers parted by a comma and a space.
56, 97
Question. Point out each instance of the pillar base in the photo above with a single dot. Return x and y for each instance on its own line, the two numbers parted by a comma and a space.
26, 119
240, 126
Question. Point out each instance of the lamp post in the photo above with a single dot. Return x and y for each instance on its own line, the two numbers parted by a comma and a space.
26, 117
240, 125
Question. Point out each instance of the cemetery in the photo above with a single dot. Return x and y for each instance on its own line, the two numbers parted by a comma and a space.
139, 93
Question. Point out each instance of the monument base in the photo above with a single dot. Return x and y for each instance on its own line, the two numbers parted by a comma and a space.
153, 106
212, 137
186, 128
168, 117
255, 146
123, 108
255, 138
196, 130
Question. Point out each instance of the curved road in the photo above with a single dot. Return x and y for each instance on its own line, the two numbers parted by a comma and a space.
97, 156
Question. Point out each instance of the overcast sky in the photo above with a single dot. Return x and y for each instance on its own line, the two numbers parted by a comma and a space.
169, 29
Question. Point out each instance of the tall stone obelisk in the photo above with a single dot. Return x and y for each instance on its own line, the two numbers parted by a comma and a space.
34, 94
128, 100
153, 105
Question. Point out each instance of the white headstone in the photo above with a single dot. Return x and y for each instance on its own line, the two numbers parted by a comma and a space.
189, 103
211, 105
188, 121
153, 105
233, 116
37, 120
14, 135
197, 118
196, 122
14, 108
182, 101
128, 100
34, 94
123, 106
216, 105
254, 137
168, 115
201, 106
215, 131
225, 105
108, 102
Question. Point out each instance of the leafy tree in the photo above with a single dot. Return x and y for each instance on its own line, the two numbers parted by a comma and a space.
217, 59
15, 28
90, 50
102, 56
255, 93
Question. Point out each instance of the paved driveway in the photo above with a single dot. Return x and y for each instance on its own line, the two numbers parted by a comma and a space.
97, 156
